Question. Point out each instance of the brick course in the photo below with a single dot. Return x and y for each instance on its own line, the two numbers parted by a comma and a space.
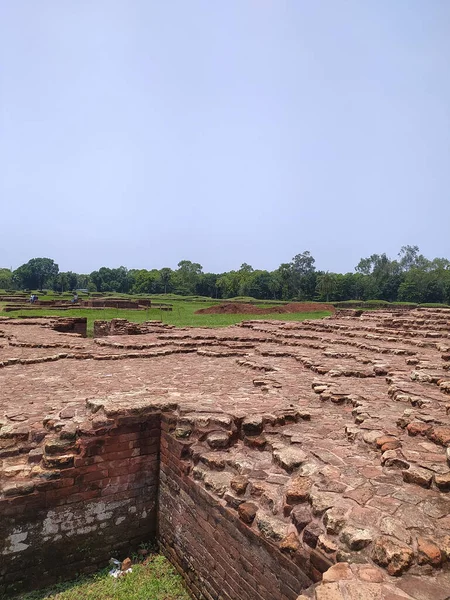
218, 555
74, 523
262, 453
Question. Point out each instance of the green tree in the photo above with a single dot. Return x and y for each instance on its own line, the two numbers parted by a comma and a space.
285, 275
245, 279
166, 276
36, 273
222, 285
112, 280
61, 283
385, 276
207, 285
65, 281
82, 281
275, 284
260, 285
146, 282
326, 284
424, 286
6, 279
187, 276
411, 259
303, 264
303, 275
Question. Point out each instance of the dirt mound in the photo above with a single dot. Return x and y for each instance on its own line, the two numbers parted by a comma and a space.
295, 307
239, 308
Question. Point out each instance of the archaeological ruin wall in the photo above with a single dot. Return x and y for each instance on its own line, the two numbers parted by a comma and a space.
89, 498
269, 460
206, 531
125, 479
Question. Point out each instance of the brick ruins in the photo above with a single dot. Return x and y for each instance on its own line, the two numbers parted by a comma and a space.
22, 303
269, 459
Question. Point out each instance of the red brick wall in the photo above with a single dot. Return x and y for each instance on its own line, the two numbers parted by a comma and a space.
218, 555
123, 482
75, 521
71, 325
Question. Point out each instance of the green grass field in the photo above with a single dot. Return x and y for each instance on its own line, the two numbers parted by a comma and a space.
182, 315
156, 580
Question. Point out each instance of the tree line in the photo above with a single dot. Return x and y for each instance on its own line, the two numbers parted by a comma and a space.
411, 277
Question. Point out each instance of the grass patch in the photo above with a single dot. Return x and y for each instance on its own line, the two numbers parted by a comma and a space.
434, 305
155, 579
182, 315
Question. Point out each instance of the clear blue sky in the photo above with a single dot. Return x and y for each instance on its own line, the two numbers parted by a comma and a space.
141, 132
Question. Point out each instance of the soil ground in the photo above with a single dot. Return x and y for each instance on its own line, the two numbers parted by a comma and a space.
236, 308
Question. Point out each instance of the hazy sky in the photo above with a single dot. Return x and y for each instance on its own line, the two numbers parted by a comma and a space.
141, 132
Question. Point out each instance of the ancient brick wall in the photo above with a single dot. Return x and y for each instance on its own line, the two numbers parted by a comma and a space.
100, 498
117, 327
109, 491
217, 554
125, 327
110, 303
76, 325
286, 449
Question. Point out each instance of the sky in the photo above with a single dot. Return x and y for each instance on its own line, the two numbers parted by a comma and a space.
143, 132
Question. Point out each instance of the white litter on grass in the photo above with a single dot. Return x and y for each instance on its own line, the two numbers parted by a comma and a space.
117, 571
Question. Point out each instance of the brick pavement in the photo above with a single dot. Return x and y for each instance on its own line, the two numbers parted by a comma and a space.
329, 436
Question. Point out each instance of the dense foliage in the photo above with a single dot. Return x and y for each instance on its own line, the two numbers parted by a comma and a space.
409, 278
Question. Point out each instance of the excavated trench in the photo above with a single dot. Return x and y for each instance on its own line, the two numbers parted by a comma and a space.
269, 460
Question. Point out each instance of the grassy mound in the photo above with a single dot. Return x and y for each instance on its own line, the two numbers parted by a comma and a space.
236, 308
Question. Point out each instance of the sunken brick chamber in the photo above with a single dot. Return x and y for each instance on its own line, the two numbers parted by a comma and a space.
269, 460
125, 482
